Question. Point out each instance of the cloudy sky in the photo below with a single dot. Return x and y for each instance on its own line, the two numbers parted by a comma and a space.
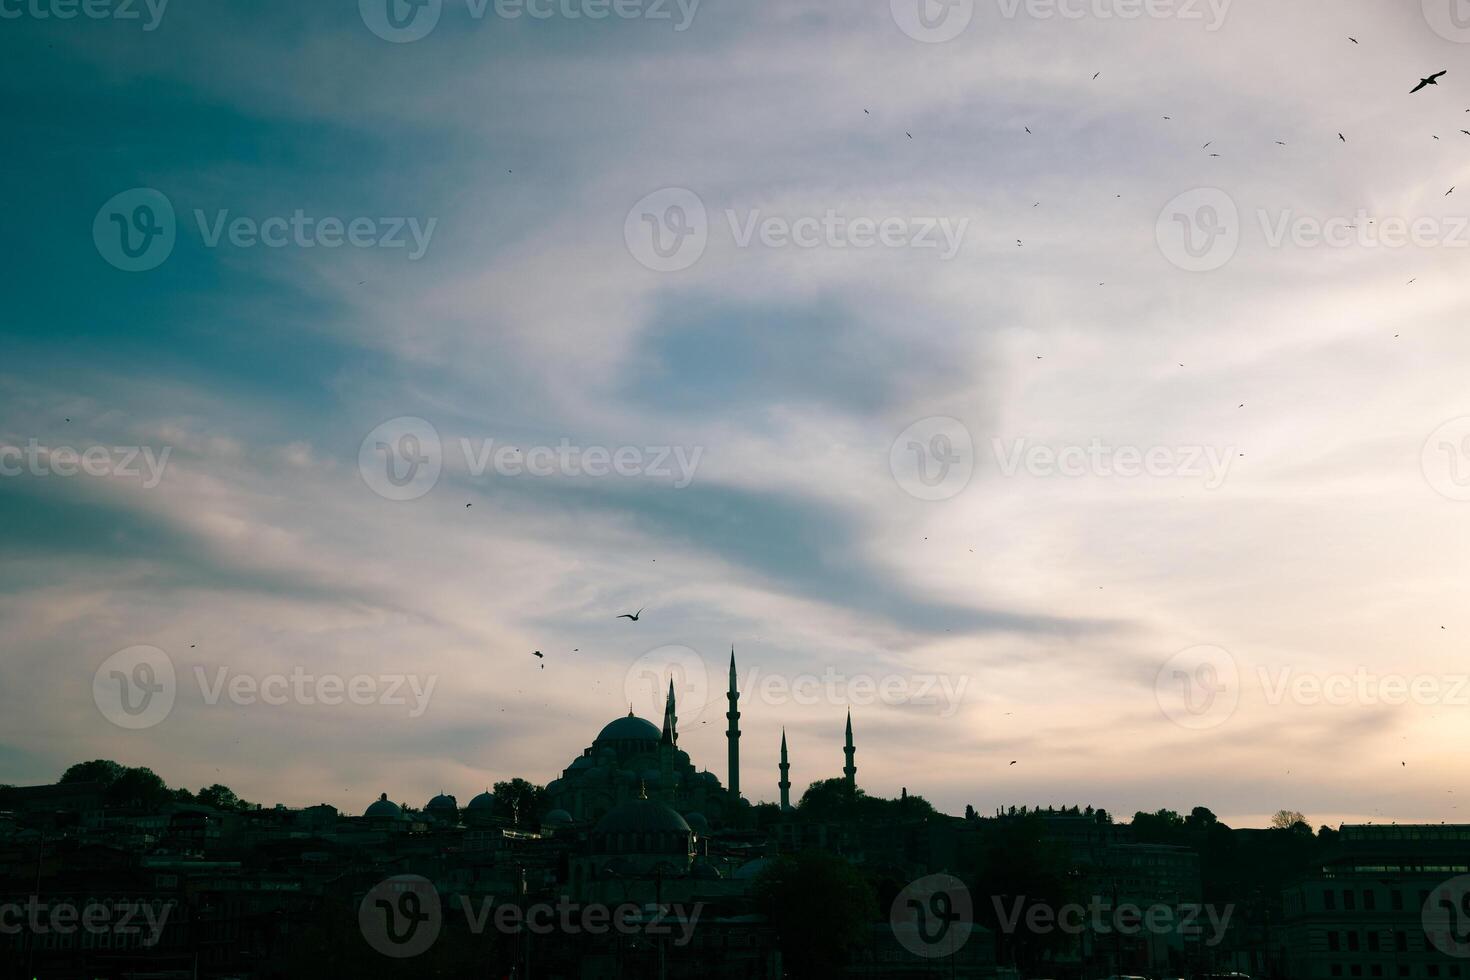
1133, 448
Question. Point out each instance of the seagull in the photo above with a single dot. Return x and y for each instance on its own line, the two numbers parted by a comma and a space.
1027, 128
632, 616
1279, 143
1342, 137
1431, 80
1450, 191
1094, 77
908, 134
538, 653
1353, 39
469, 505
1013, 762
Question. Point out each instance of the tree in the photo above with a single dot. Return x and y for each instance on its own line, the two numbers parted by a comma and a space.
520, 800
222, 798
821, 909
103, 771
1287, 819
139, 787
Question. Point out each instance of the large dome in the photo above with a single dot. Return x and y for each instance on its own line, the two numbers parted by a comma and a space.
629, 728
642, 817
484, 801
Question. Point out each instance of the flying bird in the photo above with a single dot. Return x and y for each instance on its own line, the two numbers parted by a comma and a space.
1094, 77
538, 653
1342, 137
1431, 80
631, 616
1450, 191
1013, 762
1353, 39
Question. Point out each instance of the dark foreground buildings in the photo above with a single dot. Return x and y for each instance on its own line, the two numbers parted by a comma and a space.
635, 863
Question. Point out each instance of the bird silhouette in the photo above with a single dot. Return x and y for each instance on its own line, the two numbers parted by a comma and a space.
1431, 80
1353, 39
538, 653
631, 616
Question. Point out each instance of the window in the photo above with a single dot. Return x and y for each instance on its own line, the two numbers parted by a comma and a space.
1337, 969
1369, 900
1352, 940
1357, 969
1332, 943
1329, 899
1376, 969
1349, 899
1373, 941
1401, 941
1396, 900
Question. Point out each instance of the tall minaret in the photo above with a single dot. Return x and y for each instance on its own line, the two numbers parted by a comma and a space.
850, 770
785, 782
671, 717
666, 751
732, 734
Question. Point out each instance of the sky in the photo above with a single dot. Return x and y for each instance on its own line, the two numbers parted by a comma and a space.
1073, 389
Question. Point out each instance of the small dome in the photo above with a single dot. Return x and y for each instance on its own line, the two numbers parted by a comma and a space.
484, 801
557, 818
442, 802
383, 807
697, 823
581, 762
751, 869
553, 786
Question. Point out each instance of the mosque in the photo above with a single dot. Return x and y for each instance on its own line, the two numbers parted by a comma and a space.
648, 808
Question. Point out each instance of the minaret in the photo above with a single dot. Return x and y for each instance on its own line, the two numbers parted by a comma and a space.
732, 734
850, 770
785, 782
666, 752
671, 717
